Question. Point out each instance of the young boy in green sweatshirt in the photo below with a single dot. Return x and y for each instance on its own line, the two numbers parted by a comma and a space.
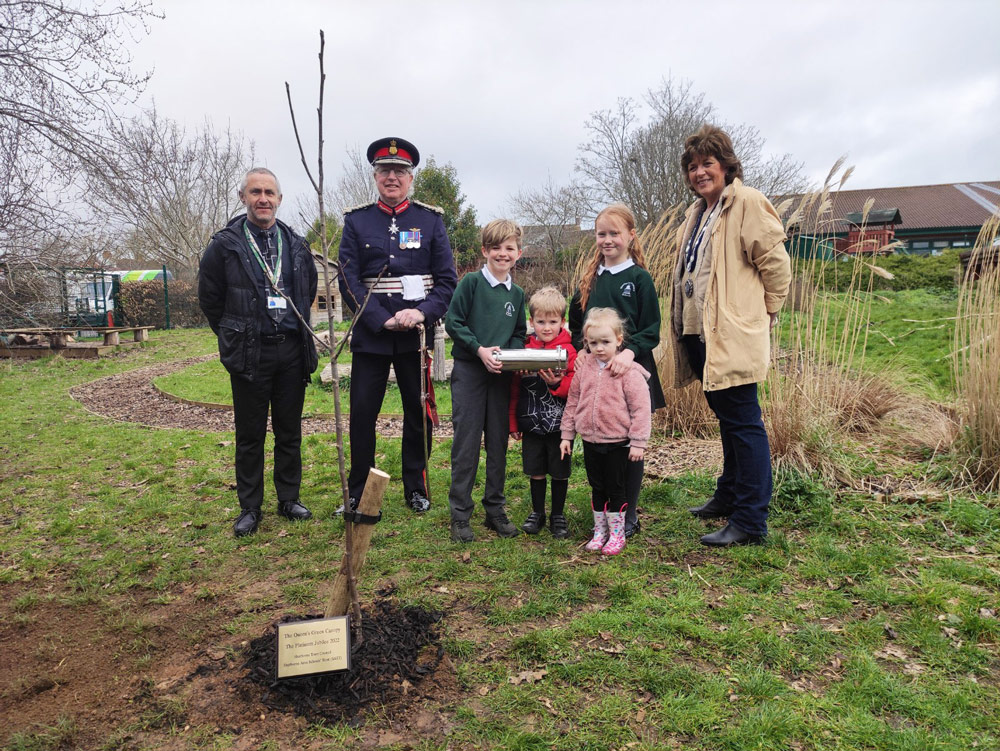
486, 314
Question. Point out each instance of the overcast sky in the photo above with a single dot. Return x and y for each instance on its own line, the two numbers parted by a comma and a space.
908, 91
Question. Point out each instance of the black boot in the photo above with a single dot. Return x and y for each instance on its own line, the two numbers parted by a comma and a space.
730, 535
714, 509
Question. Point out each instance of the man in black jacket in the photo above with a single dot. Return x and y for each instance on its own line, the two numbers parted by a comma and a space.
253, 272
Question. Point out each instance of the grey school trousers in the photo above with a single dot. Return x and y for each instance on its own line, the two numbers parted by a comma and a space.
479, 408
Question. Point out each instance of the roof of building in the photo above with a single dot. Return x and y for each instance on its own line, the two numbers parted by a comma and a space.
921, 206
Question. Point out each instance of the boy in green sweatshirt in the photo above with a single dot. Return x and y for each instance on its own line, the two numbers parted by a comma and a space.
486, 314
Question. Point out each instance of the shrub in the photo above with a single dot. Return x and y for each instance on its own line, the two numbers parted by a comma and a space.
940, 273
142, 304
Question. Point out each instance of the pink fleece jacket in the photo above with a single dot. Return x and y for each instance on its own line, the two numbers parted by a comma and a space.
606, 409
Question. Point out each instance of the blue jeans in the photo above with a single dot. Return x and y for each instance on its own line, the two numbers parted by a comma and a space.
746, 482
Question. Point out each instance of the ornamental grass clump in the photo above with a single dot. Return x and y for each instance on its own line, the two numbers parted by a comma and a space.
976, 361
818, 396
686, 413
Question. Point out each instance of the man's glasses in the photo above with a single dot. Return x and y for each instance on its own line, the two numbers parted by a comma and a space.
397, 171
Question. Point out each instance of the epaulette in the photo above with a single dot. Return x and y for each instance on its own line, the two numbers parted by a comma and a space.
358, 207
432, 207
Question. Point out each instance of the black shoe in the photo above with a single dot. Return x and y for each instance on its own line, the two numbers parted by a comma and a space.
730, 535
294, 510
418, 502
534, 524
558, 526
354, 506
247, 522
632, 529
714, 509
461, 531
501, 525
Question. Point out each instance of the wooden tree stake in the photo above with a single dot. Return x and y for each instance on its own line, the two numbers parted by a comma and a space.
371, 504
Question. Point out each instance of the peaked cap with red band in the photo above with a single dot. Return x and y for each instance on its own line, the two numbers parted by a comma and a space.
393, 151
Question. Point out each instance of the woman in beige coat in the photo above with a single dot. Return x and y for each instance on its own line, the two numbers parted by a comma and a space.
731, 280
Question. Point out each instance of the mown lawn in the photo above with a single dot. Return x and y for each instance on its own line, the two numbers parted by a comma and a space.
867, 622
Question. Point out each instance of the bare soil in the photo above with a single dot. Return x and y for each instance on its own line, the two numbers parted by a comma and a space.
86, 663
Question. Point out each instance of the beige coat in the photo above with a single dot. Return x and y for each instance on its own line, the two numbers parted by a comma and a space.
749, 278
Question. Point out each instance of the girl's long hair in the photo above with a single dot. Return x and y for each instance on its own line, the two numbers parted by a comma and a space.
623, 215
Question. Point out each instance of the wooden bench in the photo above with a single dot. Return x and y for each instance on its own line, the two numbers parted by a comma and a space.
111, 333
59, 338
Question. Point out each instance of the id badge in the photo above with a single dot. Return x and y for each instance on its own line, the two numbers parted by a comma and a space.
276, 303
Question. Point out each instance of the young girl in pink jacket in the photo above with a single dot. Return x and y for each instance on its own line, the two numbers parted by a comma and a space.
612, 416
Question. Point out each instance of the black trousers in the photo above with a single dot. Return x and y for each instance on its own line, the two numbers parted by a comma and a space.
369, 377
606, 466
278, 385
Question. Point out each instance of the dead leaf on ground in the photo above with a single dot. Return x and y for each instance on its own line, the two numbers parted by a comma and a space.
466, 557
548, 705
528, 676
891, 651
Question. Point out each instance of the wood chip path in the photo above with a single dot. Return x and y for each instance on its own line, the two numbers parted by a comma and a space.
131, 397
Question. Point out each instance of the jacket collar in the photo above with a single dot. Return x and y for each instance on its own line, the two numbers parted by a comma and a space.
393, 210
727, 198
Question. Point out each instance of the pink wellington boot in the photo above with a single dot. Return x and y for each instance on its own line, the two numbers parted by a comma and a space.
616, 542
600, 532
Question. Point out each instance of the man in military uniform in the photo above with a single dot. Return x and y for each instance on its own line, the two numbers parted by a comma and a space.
405, 242
251, 274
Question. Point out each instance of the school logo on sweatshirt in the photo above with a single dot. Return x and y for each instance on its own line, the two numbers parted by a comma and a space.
627, 289
508, 309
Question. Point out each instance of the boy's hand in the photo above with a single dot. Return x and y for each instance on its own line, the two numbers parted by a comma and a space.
565, 448
486, 357
635, 454
621, 362
550, 376
516, 436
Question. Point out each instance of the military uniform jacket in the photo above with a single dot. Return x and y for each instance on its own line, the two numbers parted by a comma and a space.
367, 246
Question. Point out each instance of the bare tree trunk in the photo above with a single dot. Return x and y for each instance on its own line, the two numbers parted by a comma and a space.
348, 564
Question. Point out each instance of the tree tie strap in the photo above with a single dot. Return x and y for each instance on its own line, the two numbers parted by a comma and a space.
358, 518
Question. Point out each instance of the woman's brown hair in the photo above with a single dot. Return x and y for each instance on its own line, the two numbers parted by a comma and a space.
716, 143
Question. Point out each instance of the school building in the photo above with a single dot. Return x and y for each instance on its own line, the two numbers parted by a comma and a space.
919, 219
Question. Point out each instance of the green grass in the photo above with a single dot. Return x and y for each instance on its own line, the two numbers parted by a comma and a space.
910, 337
864, 624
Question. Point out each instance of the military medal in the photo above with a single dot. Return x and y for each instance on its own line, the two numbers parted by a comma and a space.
688, 287
393, 228
409, 240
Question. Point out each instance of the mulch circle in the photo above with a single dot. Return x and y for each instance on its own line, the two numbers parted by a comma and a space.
400, 647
